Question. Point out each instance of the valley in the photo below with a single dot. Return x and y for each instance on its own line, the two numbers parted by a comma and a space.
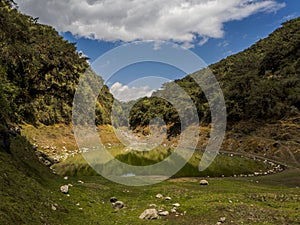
46, 176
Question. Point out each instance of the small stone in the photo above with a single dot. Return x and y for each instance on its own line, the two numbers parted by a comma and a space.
53, 207
149, 214
113, 199
173, 210
47, 163
176, 204
118, 205
203, 182
222, 219
66, 178
80, 181
159, 196
163, 213
70, 185
167, 198
152, 205
78, 204
64, 189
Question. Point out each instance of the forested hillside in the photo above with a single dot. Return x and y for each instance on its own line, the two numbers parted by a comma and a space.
39, 72
260, 83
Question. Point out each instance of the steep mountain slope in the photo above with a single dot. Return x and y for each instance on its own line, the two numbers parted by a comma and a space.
39, 72
261, 87
260, 83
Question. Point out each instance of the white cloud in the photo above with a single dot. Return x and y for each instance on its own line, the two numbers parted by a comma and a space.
126, 93
223, 44
128, 20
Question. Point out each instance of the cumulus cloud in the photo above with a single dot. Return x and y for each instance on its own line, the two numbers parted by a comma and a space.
183, 21
125, 93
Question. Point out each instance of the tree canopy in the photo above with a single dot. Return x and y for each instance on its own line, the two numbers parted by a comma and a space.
39, 71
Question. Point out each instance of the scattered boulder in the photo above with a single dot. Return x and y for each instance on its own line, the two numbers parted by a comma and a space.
118, 205
173, 210
168, 198
64, 189
222, 219
149, 214
159, 196
153, 205
53, 207
176, 204
47, 163
163, 213
203, 182
80, 182
113, 199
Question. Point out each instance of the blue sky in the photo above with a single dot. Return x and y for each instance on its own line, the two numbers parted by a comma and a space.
238, 36
212, 29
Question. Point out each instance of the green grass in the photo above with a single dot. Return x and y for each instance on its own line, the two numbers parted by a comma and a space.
28, 190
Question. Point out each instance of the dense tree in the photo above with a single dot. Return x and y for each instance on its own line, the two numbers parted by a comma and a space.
261, 83
39, 71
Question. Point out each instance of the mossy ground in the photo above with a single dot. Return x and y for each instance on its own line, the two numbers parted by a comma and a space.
29, 190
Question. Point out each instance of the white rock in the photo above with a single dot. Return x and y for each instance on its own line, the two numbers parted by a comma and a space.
167, 198
149, 214
64, 189
173, 210
222, 219
159, 196
203, 182
66, 178
53, 207
118, 205
176, 204
163, 213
